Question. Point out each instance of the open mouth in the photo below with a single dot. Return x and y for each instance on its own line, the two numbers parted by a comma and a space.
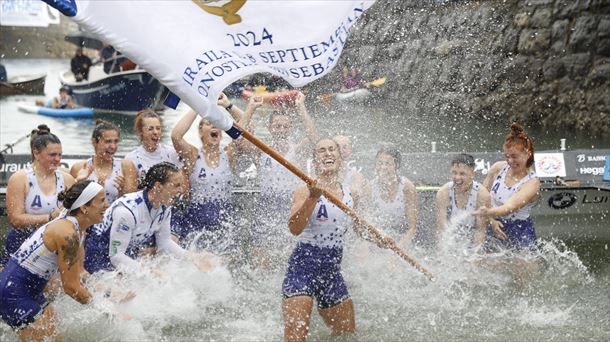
328, 162
214, 134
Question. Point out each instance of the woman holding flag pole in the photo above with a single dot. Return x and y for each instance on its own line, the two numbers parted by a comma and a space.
314, 269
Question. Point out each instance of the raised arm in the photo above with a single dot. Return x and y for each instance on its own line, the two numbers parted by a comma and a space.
62, 238
308, 123
185, 150
235, 112
303, 203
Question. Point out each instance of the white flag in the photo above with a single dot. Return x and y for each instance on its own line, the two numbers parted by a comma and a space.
196, 48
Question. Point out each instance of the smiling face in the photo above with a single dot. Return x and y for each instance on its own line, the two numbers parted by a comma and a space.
209, 134
151, 133
516, 158
327, 157
49, 157
280, 127
345, 145
95, 210
385, 166
462, 176
170, 190
107, 145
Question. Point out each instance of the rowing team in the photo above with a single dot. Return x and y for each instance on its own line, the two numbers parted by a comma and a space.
67, 225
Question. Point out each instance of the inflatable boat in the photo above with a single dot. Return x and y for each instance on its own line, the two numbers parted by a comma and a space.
82, 112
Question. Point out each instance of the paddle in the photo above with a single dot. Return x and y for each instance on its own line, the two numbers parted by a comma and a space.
371, 229
327, 97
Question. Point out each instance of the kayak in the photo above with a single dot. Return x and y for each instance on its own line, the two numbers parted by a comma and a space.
357, 95
82, 112
275, 99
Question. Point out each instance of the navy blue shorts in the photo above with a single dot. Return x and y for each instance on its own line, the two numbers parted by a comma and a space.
21, 295
521, 234
14, 239
316, 272
207, 225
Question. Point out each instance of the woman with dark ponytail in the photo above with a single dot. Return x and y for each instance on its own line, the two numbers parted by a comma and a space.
31, 194
132, 222
56, 246
514, 189
118, 177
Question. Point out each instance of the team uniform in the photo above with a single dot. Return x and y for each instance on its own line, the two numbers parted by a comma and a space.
314, 268
129, 224
390, 216
110, 188
518, 226
144, 160
36, 203
205, 221
466, 226
24, 278
272, 207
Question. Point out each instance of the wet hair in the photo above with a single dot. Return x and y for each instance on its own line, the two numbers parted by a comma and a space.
41, 137
517, 137
313, 152
70, 195
202, 122
392, 152
158, 173
463, 159
277, 113
102, 126
138, 124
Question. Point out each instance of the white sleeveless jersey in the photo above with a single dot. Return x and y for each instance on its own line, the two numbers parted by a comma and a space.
211, 184
328, 223
142, 220
110, 187
36, 202
144, 160
471, 204
35, 257
389, 214
276, 179
500, 193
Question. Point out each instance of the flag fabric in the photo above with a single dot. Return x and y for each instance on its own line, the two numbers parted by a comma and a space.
196, 48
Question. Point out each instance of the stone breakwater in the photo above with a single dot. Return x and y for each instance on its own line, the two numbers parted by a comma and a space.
544, 62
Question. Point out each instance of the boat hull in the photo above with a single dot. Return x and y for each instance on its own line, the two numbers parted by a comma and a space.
123, 92
24, 85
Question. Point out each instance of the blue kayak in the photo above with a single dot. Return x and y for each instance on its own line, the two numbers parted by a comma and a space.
82, 112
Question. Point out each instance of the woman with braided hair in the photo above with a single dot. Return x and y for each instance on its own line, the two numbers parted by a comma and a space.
514, 189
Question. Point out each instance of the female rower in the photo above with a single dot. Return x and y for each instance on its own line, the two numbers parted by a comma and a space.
149, 128
514, 189
314, 268
394, 198
206, 218
56, 246
31, 195
118, 177
462, 195
133, 220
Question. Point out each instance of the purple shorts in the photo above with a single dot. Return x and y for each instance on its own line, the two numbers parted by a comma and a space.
21, 295
316, 272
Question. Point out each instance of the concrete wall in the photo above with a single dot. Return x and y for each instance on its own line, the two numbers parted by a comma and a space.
544, 62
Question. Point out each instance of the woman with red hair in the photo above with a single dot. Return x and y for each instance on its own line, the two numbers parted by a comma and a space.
514, 189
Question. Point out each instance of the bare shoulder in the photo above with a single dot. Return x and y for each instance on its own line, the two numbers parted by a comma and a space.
18, 177
409, 185
68, 179
77, 166
495, 168
60, 233
443, 191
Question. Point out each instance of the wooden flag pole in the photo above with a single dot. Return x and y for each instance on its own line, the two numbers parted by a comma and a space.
391, 244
